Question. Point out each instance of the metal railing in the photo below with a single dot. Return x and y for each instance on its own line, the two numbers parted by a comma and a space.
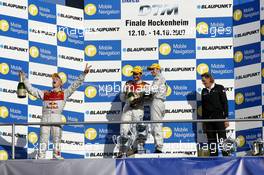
120, 122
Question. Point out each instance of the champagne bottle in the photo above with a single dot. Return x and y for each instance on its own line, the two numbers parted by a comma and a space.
21, 88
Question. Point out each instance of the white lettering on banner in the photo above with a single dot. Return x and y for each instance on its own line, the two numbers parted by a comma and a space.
45, 12
105, 9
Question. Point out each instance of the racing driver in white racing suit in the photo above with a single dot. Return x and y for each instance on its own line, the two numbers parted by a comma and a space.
53, 103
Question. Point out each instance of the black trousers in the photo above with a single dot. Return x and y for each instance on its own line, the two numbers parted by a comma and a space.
212, 129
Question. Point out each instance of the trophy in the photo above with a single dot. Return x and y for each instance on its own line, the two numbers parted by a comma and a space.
142, 135
134, 98
257, 147
21, 88
124, 143
229, 146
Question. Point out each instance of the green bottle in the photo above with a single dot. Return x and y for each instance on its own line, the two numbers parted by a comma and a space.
21, 88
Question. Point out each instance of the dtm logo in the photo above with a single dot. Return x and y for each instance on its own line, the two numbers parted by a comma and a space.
237, 15
165, 49
34, 52
167, 132
239, 98
90, 92
62, 36
127, 70
4, 112
238, 57
4, 25
3, 155
4, 68
90, 50
202, 68
33, 10
63, 77
90, 9
240, 141
32, 137
90, 134
158, 9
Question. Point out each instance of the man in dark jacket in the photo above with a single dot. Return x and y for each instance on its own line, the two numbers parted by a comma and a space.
214, 106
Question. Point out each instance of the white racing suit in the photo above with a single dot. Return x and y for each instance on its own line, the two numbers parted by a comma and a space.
53, 104
157, 108
130, 112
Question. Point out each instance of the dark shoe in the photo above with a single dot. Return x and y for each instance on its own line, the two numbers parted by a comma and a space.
158, 151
